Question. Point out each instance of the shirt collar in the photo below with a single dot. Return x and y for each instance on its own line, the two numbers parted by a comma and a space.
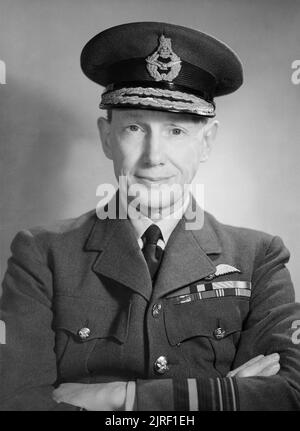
166, 225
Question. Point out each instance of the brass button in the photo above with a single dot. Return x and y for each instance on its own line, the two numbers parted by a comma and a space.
161, 365
84, 333
219, 333
156, 310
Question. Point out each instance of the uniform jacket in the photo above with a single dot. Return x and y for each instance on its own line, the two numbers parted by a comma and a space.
91, 273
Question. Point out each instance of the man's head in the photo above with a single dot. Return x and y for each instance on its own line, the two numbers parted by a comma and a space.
160, 82
156, 150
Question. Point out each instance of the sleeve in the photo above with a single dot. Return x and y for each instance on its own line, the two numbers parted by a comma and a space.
272, 326
26, 312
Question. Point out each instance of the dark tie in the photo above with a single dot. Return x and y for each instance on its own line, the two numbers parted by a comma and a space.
152, 252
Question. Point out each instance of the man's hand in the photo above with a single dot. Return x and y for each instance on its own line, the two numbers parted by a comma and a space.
259, 366
98, 396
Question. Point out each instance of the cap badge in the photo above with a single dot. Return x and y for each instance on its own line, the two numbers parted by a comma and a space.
164, 64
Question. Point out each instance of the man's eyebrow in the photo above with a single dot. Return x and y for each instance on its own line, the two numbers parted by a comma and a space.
178, 123
171, 121
187, 125
139, 116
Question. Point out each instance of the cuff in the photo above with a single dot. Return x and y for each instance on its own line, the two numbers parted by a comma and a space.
194, 394
213, 394
130, 396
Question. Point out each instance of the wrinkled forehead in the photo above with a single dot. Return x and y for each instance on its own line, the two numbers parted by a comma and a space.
148, 116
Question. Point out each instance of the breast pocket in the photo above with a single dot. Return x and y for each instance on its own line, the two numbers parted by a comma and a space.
207, 331
80, 323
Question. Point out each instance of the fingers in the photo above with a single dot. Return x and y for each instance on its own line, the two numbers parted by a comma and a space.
258, 366
271, 370
67, 391
245, 365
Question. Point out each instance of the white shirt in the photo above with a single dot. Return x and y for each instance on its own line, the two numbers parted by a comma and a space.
166, 225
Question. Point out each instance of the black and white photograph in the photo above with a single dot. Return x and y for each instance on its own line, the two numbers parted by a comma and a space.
150, 208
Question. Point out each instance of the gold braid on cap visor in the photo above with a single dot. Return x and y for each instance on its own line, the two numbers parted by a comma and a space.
160, 99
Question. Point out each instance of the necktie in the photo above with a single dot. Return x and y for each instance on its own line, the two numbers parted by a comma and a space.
152, 252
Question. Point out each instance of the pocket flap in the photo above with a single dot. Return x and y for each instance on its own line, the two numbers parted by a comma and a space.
202, 318
102, 320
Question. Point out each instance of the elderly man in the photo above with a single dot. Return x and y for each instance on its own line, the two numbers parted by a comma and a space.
164, 308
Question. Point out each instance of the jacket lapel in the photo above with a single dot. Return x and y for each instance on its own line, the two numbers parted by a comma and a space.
120, 257
186, 257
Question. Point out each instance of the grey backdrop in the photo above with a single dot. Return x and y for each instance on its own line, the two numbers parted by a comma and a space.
51, 160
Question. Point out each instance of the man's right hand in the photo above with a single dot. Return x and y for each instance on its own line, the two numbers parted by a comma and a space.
259, 366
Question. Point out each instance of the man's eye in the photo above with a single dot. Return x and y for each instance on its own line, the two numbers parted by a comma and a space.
176, 131
133, 128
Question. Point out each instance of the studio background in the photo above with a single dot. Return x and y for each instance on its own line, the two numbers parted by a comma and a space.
51, 158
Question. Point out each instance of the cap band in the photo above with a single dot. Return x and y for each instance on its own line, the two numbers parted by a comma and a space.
158, 98
195, 79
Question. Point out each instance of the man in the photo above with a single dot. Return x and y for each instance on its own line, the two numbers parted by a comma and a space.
162, 309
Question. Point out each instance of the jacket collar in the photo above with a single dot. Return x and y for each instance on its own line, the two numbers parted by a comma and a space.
185, 257
120, 258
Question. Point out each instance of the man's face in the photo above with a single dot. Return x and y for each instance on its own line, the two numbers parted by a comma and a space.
156, 150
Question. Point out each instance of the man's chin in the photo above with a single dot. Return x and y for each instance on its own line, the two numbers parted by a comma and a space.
152, 209
154, 199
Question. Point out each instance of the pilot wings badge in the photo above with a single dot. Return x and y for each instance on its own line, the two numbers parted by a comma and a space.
164, 64
224, 269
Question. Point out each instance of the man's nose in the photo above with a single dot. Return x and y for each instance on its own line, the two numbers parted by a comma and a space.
153, 150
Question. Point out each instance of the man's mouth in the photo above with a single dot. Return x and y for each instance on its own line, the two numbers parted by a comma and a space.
153, 180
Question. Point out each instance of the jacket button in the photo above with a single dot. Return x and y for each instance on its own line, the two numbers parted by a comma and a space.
219, 333
84, 333
156, 310
161, 365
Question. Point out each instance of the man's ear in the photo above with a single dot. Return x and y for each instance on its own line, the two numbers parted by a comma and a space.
209, 135
104, 131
